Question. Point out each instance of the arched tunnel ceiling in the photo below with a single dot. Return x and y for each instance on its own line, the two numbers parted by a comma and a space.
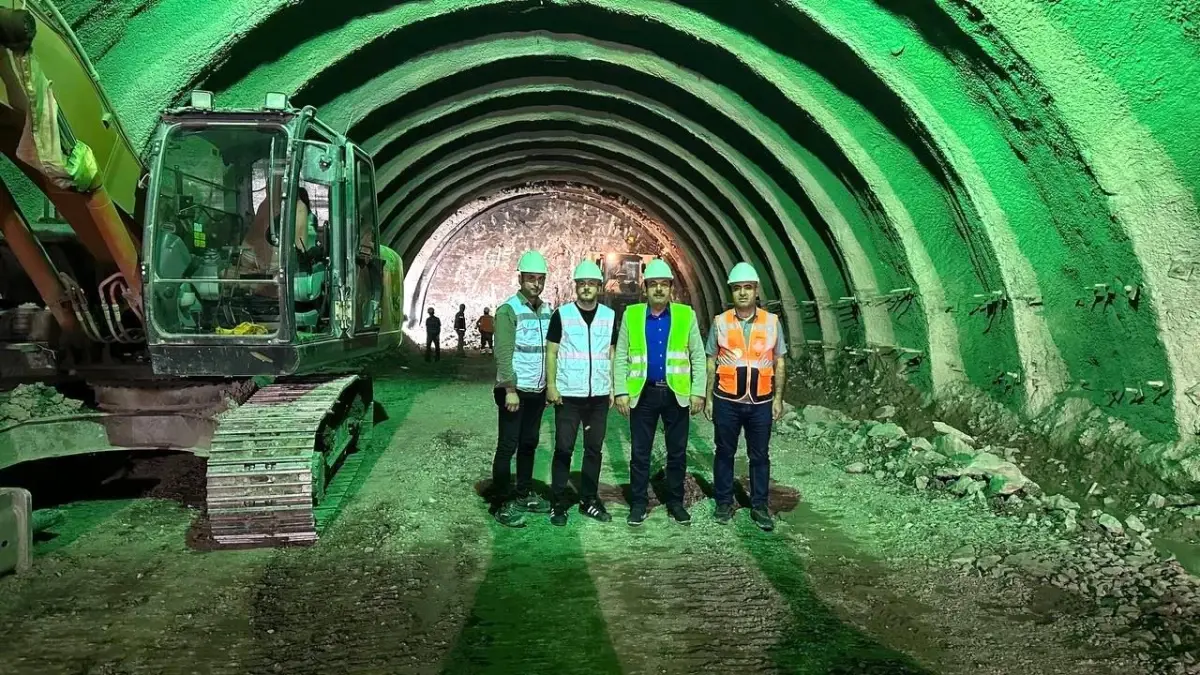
998, 159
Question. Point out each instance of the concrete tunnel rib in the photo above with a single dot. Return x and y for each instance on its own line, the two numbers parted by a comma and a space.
863, 279
745, 210
696, 195
1082, 91
714, 271
1039, 354
936, 360
945, 354
412, 75
404, 81
401, 200
668, 201
401, 205
369, 91
878, 324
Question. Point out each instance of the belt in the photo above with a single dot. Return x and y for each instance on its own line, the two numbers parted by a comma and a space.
657, 384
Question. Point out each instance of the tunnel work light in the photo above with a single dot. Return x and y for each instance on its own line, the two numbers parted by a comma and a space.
276, 101
202, 100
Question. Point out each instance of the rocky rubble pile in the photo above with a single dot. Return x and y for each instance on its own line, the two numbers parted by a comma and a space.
1111, 564
1132, 591
32, 401
949, 463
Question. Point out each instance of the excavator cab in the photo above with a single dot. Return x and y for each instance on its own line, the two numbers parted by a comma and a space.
261, 248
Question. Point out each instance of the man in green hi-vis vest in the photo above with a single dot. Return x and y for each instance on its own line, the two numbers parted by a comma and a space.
659, 373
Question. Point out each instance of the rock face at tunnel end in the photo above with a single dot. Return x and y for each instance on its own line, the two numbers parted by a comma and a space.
475, 265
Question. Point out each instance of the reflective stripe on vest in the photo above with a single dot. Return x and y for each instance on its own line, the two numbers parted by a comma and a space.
746, 373
529, 347
584, 366
679, 366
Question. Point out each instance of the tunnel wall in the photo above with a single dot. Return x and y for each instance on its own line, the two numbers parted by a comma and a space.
974, 181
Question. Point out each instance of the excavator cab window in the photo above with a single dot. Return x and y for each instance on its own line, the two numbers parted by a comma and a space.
364, 242
217, 228
313, 265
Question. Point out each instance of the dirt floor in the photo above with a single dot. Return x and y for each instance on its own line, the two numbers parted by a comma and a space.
412, 575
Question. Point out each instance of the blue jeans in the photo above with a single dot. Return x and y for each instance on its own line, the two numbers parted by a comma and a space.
657, 403
729, 419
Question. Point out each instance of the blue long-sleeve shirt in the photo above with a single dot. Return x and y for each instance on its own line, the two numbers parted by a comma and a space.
658, 328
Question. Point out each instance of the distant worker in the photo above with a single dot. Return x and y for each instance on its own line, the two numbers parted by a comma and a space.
658, 373
487, 328
579, 354
460, 327
746, 376
520, 393
433, 337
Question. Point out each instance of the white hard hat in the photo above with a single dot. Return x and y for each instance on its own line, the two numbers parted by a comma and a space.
532, 262
658, 269
742, 272
588, 270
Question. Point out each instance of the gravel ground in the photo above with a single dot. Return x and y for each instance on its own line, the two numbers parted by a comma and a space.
863, 574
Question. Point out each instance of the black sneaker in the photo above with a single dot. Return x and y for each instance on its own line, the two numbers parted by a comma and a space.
723, 513
637, 515
509, 515
595, 509
558, 515
680, 514
762, 518
532, 503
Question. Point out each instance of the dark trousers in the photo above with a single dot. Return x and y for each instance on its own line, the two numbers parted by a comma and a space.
462, 335
729, 419
592, 413
485, 340
657, 403
518, 434
433, 342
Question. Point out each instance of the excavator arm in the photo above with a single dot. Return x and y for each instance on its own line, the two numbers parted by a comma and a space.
59, 128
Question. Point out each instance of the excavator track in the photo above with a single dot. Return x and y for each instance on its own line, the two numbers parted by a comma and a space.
270, 458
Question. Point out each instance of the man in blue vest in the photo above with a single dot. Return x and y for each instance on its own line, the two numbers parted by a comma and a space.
746, 376
579, 352
658, 373
521, 326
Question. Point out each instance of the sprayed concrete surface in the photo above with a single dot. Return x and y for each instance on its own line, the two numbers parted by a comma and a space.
412, 576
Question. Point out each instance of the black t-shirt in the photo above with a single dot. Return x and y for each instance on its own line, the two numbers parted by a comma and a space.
433, 325
554, 333
460, 321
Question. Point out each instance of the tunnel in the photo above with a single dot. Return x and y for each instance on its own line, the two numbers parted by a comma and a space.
978, 214
959, 191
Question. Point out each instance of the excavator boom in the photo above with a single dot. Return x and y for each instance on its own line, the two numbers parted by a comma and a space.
61, 131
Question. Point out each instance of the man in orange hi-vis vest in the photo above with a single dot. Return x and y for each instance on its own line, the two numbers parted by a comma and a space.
746, 353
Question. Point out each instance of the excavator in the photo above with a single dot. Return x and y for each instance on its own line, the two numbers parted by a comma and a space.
212, 291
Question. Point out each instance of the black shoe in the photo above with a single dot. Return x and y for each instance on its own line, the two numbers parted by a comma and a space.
509, 515
532, 503
594, 508
680, 514
637, 515
762, 518
723, 513
558, 515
